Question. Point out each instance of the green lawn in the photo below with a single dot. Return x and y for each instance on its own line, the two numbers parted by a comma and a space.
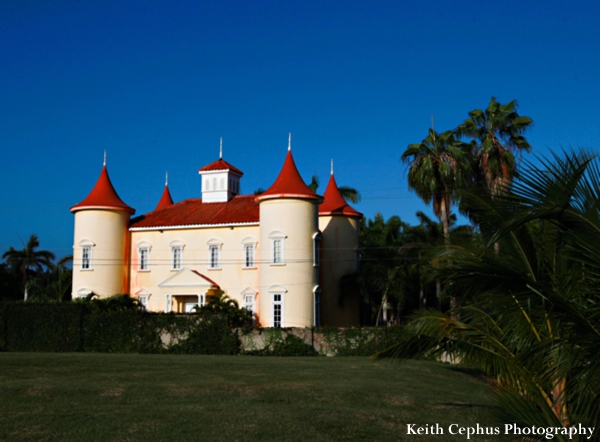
125, 397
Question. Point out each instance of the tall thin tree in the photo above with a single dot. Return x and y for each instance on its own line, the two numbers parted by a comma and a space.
29, 258
436, 170
498, 132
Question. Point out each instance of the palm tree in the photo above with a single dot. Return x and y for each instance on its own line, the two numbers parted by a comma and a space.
62, 279
436, 170
29, 258
499, 131
529, 317
426, 235
381, 278
223, 304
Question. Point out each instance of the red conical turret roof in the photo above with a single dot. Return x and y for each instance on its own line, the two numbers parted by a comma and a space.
289, 184
165, 199
103, 196
334, 203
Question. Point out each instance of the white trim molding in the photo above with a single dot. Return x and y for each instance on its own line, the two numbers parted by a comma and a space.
277, 238
249, 246
143, 249
86, 247
214, 253
176, 254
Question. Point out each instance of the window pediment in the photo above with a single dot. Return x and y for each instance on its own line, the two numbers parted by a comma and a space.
277, 234
277, 289
177, 243
143, 245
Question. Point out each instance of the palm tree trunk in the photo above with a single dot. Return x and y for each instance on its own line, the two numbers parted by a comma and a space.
445, 220
422, 299
438, 292
445, 216
559, 405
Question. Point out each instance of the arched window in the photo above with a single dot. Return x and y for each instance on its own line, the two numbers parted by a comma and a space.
83, 293
317, 300
317, 249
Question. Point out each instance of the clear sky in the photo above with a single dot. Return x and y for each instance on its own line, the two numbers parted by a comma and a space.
156, 83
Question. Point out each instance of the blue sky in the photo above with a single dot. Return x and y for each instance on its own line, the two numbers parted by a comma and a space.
156, 83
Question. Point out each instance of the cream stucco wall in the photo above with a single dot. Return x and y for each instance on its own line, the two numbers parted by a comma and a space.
232, 277
107, 231
297, 276
338, 258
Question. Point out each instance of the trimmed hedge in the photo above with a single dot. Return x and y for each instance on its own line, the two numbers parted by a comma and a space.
79, 326
41, 327
69, 327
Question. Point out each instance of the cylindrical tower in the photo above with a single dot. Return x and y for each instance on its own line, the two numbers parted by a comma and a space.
101, 242
289, 275
339, 224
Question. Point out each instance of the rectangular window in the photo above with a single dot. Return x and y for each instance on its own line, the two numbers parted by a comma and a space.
143, 302
317, 308
277, 251
214, 257
144, 254
249, 255
86, 258
277, 310
317, 252
249, 303
176, 258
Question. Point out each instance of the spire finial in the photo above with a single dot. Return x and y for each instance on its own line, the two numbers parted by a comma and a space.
290, 142
104, 164
221, 149
332, 166
166, 179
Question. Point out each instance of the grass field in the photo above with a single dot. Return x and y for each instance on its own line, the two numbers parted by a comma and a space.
125, 397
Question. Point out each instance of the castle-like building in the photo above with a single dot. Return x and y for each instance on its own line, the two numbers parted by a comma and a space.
280, 254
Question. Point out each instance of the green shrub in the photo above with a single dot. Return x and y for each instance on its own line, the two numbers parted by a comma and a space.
359, 341
207, 333
279, 343
121, 332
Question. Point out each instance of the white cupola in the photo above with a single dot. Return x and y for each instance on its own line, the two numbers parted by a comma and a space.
220, 181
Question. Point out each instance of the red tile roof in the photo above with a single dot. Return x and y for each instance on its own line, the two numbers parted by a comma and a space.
206, 278
240, 209
103, 196
289, 184
220, 164
165, 199
334, 203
